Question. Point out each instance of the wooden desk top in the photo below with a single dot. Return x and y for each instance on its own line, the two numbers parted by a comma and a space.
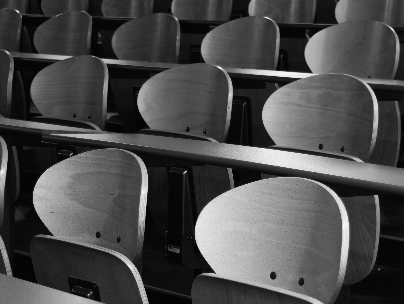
368, 177
20, 132
122, 69
16, 291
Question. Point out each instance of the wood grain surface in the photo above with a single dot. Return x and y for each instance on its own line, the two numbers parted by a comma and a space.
388, 141
366, 49
19, 5
127, 8
75, 88
192, 98
6, 82
65, 34
5, 267
51, 7
250, 42
153, 37
284, 11
97, 197
213, 10
330, 112
10, 33
390, 12
211, 288
290, 233
55, 259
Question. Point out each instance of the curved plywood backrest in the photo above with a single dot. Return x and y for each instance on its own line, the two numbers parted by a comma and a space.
75, 88
10, 29
153, 37
193, 98
52, 7
65, 34
366, 49
290, 233
284, 11
97, 197
127, 8
211, 288
3, 172
330, 112
55, 259
19, 5
212, 10
6, 82
251, 42
390, 12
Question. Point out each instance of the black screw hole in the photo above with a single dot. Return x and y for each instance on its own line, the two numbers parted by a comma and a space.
98, 234
118, 239
342, 149
187, 129
320, 146
301, 281
204, 131
89, 116
273, 275
369, 77
74, 115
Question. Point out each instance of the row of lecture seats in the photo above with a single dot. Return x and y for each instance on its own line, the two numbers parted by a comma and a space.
254, 190
161, 82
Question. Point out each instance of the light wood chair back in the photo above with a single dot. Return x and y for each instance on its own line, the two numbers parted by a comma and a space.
153, 37
19, 5
339, 114
10, 29
390, 12
331, 112
290, 233
75, 88
56, 260
366, 49
97, 197
65, 34
127, 8
212, 10
6, 82
51, 7
210, 288
193, 98
250, 42
284, 11
5, 267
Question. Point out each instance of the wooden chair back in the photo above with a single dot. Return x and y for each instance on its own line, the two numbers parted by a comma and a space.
284, 11
193, 98
390, 12
65, 34
98, 198
6, 82
212, 10
5, 267
250, 42
153, 37
51, 7
57, 260
331, 112
290, 233
210, 288
366, 49
19, 5
10, 29
75, 88
127, 8
346, 121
